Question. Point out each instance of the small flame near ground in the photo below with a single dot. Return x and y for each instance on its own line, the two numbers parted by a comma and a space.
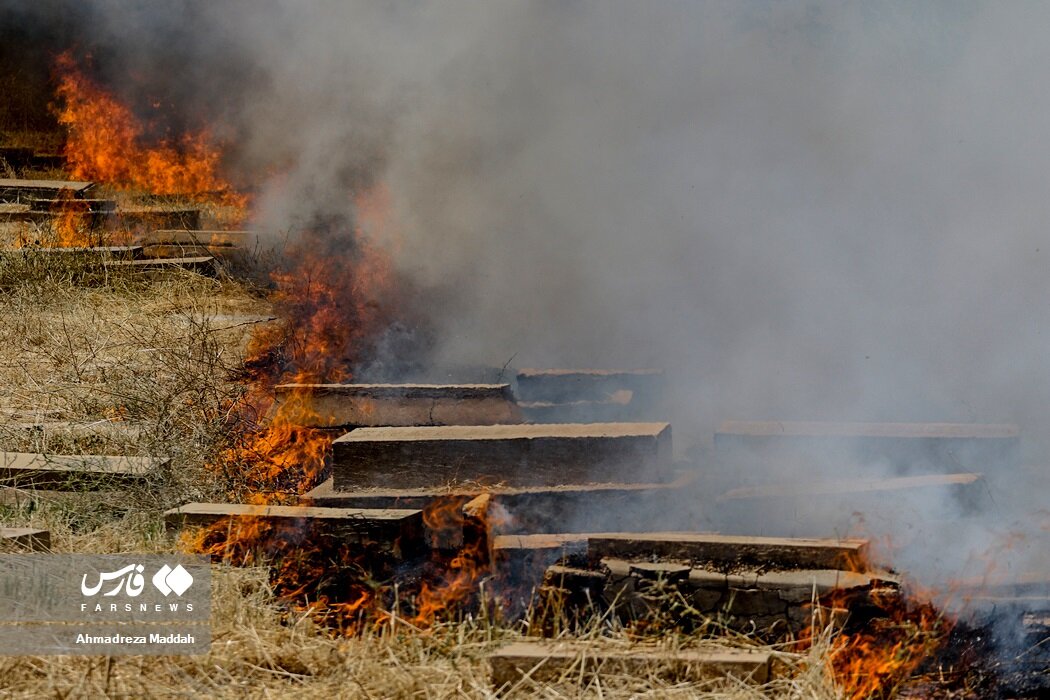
883, 643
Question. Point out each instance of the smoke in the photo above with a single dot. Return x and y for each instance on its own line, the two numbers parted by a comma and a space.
804, 211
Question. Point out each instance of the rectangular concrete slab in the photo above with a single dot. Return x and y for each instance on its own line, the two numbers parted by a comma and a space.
111, 252
76, 472
728, 550
543, 661
400, 526
60, 204
25, 538
347, 405
512, 455
620, 407
11, 188
539, 509
203, 264
903, 447
213, 238
162, 251
159, 216
568, 385
968, 490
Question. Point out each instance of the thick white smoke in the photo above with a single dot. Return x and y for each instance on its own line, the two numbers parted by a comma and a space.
803, 211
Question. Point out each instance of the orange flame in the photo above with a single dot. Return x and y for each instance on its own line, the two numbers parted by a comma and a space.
874, 661
105, 144
69, 221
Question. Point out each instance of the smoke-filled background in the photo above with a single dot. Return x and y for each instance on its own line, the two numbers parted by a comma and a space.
802, 211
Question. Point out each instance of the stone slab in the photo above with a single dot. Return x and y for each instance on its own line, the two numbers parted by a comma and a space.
162, 251
537, 509
512, 455
159, 216
16, 188
620, 407
785, 500
77, 472
203, 264
568, 385
351, 405
727, 551
1001, 585
546, 661
100, 428
190, 237
112, 252
904, 447
29, 538
59, 205
400, 526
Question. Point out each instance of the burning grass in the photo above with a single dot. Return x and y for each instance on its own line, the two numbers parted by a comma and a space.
106, 143
258, 652
163, 354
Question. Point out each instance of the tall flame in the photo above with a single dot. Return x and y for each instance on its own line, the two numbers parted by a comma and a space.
105, 143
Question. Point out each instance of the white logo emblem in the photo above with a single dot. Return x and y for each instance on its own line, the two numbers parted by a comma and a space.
130, 577
168, 580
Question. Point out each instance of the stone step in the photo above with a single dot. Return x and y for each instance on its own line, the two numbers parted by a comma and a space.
722, 551
75, 472
901, 447
18, 538
161, 251
204, 265
521, 560
771, 600
618, 408
545, 661
537, 509
783, 501
190, 237
512, 455
1002, 585
400, 527
78, 429
159, 216
90, 253
57, 205
14, 189
568, 385
23, 213
348, 405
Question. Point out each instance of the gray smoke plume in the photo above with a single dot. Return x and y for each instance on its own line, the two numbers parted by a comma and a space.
802, 211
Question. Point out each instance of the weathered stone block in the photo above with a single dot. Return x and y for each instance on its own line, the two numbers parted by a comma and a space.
78, 472
732, 551
203, 265
345, 405
17, 190
905, 447
514, 455
609, 507
24, 538
560, 386
400, 527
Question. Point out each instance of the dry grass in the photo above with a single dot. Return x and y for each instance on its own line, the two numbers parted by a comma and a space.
255, 654
153, 357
